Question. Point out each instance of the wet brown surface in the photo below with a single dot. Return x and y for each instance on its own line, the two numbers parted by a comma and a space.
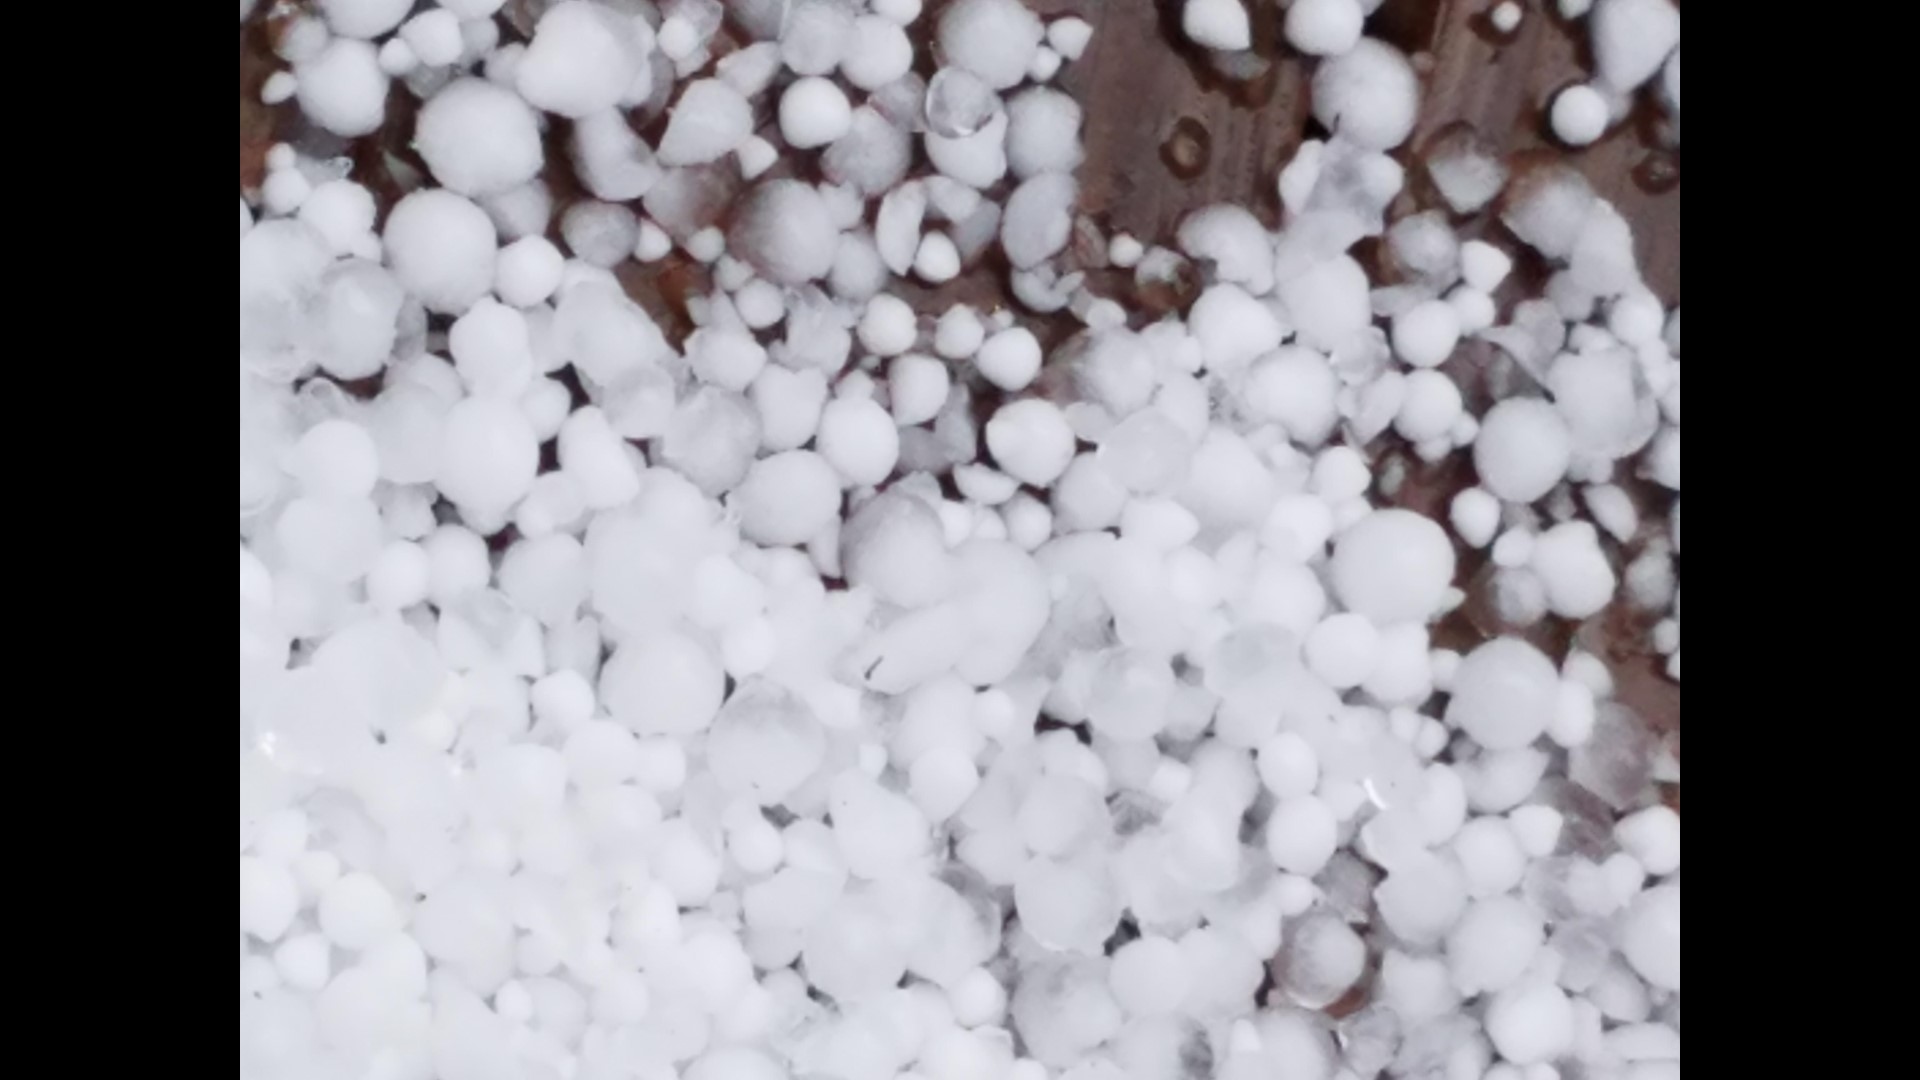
1166, 134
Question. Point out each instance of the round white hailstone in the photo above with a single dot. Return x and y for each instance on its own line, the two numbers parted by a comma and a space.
816, 35
959, 333
1474, 309
1536, 828
941, 781
1523, 449
1484, 266
1069, 36
786, 232
1087, 496
342, 212
356, 911
1476, 516
1649, 936
1636, 318
813, 112
1302, 835
343, 88
1130, 696
859, 440
366, 19
489, 455
1329, 304
1010, 359
1150, 976
1368, 95
528, 271
787, 499
1288, 766
1342, 650
664, 684
269, 899
1221, 25
1430, 408
1426, 334
491, 349
434, 36
1067, 906
1580, 115
937, 260
1031, 441
1631, 39
337, 457
478, 139
303, 962
595, 457
565, 699
284, 191
399, 576
1578, 579
441, 247
1392, 566
888, 326
993, 39
1323, 959
333, 539
729, 359
1504, 694
1490, 857
894, 545
761, 304
977, 998
1422, 900
1043, 134
1324, 27
1494, 944
1296, 388
879, 53
1531, 1023
1038, 219
584, 58
1653, 837
1125, 252
899, 12
764, 743
396, 59
917, 387
1233, 328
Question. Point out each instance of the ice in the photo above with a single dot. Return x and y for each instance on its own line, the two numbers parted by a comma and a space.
1494, 944
1608, 408
707, 123
611, 160
764, 743
1149, 977
342, 88
1220, 25
1649, 936
1616, 764
478, 139
1323, 957
1324, 27
1038, 219
1368, 95
1043, 133
441, 248
1523, 449
269, 899
1466, 172
1233, 328
1031, 440
993, 39
1062, 1010
1328, 303
1392, 566
785, 231
859, 439
1631, 39
584, 58
366, 19
711, 439
878, 832
976, 158
872, 155
1234, 241
893, 545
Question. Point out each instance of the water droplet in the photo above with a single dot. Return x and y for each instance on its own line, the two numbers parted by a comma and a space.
1187, 148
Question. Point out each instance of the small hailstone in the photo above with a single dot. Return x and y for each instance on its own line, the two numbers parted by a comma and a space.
1504, 694
1580, 115
1523, 449
1009, 359
1578, 579
1124, 251
1426, 334
1484, 266
887, 327
527, 271
1043, 133
678, 38
441, 247
1368, 95
937, 261
337, 457
787, 499
1653, 837
364, 18
584, 58
477, 138
1069, 36
1031, 440
859, 440
343, 89
1513, 548
1473, 309
711, 118
1475, 515
879, 54
993, 39
813, 113
1342, 649
284, 191
1038, 219
434, 36
1530, 1023
1631, 39
1392, 566
1324, 27
1046, 64
280, 85
1221, 25
652, 243
1431, 406
1506, 16
1302, 835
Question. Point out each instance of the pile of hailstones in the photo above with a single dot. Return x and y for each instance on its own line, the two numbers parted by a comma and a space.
782, 730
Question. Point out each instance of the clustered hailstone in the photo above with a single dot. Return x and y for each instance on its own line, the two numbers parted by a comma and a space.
860, 691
